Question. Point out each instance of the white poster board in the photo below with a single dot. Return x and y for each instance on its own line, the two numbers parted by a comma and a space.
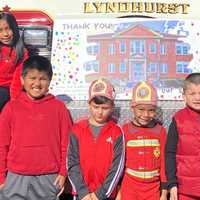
125, 51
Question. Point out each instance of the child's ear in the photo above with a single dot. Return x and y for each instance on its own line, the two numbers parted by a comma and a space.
22, 80
132, 108
184, 98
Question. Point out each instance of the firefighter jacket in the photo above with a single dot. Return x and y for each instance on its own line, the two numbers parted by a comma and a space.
145, 153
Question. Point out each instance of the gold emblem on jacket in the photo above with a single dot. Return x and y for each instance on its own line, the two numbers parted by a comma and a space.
156, 152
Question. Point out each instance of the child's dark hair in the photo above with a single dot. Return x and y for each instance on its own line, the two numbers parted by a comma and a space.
191, 78
37, 62
101, 100
17, 42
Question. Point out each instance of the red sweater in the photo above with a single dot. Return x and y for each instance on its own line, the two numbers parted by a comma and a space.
34, 136
10, 71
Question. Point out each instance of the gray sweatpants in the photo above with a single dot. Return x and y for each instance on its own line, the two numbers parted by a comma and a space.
20, 187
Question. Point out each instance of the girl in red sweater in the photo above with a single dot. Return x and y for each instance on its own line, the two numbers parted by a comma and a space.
12, 55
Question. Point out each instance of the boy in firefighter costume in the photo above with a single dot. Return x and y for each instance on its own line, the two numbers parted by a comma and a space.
96, 148
183, 144
145, 141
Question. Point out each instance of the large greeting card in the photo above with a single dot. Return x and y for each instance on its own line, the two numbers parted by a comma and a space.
125, 51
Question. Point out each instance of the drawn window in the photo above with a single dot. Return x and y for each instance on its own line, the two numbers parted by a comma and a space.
122, 67
137, 47
182, 67
122, 47
182, 49
152, 48
152, 67
163, 68
111, 49
111, 68
92, 66
163, 49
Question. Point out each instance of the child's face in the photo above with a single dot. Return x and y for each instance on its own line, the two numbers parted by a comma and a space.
192, 96
99, 113
6, 34
35, 83
143, 114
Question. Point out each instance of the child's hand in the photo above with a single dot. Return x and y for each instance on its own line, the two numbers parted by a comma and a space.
60, 181
1, 186
87, 197
174, 193
118, 197
94, 197
163, 195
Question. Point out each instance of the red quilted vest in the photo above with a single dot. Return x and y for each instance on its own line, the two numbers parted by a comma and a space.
188, 151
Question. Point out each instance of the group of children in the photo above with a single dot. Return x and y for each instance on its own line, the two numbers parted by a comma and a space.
40, 146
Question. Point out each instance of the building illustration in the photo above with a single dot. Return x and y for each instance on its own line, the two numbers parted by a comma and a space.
138, 53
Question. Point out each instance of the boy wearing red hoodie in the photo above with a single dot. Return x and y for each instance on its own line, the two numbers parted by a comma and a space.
33, 138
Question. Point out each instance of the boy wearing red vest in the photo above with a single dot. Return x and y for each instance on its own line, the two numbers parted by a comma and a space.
96, 148
183, 144
145, 141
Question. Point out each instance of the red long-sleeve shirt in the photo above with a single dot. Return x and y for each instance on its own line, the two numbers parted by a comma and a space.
10, 71
34, 136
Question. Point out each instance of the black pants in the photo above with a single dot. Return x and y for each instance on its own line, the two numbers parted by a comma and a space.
66, 197
4, 96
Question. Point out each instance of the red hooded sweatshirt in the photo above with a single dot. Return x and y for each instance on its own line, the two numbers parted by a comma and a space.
34, 136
